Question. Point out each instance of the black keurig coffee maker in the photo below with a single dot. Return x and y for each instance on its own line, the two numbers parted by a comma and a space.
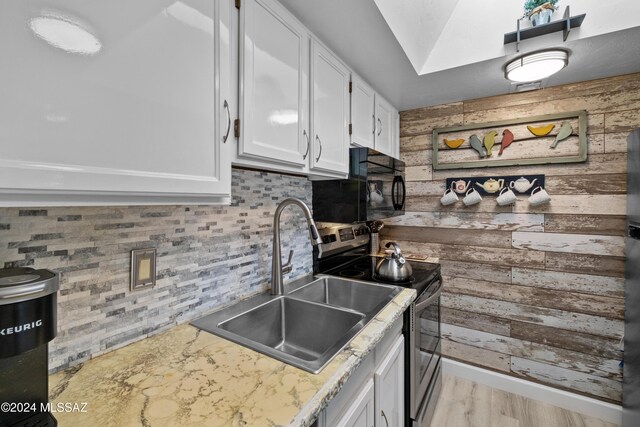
27, 324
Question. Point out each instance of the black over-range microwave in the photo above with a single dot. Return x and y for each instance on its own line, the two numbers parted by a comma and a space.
374, 190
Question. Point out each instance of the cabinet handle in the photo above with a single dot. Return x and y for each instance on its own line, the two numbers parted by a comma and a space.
304, 132
226, 135
320, 153
385, 419
397, 205
380, 123
374, 124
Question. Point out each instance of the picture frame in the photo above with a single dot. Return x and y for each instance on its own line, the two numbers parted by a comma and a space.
526, 148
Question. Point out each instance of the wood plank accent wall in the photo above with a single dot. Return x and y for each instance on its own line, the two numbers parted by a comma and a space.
536, 293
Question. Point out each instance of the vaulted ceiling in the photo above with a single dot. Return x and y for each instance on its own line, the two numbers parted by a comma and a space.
419, 53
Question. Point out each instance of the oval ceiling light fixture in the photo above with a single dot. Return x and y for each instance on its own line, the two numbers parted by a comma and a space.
65, 33
536, 65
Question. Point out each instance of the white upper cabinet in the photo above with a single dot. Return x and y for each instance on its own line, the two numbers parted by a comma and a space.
329, 147
385, 121
294, 103
374, 122
130, 109
395, 140
274, 84
362, 113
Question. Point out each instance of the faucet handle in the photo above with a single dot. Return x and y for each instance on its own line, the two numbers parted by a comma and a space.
287, 267
313, 233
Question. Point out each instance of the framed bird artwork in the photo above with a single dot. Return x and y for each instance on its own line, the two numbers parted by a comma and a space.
551, 138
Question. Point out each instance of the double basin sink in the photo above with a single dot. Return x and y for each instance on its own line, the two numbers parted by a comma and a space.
308, 325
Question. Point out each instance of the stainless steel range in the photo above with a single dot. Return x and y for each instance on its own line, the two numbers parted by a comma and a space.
345, 252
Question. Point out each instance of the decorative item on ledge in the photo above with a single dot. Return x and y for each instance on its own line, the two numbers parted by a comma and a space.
565, 25
539, 11
491, 185
553, 138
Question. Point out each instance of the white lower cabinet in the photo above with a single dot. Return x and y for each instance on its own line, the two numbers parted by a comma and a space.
389, 388
374, 394
361, 412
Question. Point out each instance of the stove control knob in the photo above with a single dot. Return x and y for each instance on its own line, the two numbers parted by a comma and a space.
360, 231
329, 238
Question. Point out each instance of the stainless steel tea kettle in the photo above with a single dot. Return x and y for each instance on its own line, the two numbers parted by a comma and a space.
394, 267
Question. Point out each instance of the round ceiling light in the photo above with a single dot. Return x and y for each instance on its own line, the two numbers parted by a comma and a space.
66, 34
536, 65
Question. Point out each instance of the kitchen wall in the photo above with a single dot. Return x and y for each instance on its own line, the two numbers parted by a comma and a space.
535, 293
208, 256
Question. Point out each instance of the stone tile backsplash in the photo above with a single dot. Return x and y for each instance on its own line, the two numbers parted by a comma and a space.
208, 257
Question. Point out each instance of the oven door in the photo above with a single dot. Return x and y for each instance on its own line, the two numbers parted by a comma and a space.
424, 345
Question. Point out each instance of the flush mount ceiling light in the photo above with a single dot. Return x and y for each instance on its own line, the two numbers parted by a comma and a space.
536, 65
65, 33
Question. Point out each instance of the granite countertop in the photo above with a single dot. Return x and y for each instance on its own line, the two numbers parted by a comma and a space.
185, 376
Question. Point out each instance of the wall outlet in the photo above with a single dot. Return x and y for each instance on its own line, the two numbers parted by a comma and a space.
143, 268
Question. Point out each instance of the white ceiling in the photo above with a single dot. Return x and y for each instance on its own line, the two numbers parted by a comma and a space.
463, 58
410, 17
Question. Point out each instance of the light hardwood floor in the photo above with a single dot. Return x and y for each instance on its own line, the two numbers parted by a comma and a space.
464, 403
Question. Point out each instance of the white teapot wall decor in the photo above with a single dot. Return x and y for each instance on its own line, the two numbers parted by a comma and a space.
522, 184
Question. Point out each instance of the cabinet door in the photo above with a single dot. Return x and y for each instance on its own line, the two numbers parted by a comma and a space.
226, 82
389, 387
361, 412
363, 120
126, 106
384, 126
395, 139
274, 55
330, 96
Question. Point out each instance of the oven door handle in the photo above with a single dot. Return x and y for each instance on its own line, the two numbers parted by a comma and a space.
421, 305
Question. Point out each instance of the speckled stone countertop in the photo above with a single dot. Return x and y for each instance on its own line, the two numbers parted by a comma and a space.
188, 377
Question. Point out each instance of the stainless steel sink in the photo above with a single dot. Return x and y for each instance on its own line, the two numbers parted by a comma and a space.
305, 328
364, 297
298, 328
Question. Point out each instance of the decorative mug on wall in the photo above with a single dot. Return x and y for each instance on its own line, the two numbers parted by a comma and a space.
506, 197
472, 197
460, 186
539, 196
449, 197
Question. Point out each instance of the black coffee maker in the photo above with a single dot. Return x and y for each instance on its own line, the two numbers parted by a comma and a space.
27, 323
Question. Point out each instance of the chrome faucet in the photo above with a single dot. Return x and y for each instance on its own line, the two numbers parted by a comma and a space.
277, 269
